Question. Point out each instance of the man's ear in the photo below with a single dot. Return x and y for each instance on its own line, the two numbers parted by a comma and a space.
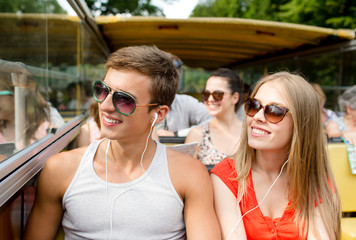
161, 113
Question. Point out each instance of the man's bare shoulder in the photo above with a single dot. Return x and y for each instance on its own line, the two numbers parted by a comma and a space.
60, 168
183, 162
66, 159
187, 173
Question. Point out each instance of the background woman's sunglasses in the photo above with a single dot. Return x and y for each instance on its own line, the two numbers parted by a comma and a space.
217, 95
273, 112
123, 102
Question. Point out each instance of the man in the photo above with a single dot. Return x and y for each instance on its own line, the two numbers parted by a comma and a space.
127, 186
184, 113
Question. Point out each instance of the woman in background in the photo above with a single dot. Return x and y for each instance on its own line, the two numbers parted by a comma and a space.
219, 137
37, 119
345, 126
326, 114
90, 130
279, 184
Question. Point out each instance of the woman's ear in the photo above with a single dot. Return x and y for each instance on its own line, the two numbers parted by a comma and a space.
235, 97
348, 109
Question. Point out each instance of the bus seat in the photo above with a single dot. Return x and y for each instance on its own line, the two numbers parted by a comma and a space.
348, 228
346, 183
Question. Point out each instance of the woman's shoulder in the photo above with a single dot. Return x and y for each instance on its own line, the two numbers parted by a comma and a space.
225, 170
194, 134
225, 167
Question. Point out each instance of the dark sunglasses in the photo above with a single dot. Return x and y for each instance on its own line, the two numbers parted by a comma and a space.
217, 95
123, 102
273, 112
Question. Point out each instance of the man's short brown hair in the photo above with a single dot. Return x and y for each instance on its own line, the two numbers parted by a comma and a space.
152, 62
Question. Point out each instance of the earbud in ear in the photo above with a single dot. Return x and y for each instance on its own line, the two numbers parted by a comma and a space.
154, 121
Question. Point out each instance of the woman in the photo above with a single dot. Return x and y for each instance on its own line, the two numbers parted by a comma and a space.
217, 138
280, 176
90, 130
37, 121
345, 126
326, 114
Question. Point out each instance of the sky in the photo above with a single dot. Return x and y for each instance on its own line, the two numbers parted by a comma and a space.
178, 9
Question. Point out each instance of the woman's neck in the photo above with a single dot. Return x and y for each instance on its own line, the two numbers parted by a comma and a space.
349, 121
269, 162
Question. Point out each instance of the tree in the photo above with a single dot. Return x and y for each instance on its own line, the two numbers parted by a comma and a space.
253, 9
133, 7
322, 13
30, 6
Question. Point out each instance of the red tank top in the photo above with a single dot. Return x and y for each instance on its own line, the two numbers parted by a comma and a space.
257, 226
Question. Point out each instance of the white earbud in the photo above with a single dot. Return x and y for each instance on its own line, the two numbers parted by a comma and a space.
154, 121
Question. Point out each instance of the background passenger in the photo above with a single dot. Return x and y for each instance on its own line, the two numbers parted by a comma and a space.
219, 137
345, 126
37, 115
280, 176
90, 130
326, 114
185, 112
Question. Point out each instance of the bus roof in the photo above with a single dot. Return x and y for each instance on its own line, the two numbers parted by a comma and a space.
215, 42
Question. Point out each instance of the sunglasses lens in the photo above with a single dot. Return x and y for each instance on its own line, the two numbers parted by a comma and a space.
100, 91
205, 95
218, 95
252, 106
124, 103
274, 113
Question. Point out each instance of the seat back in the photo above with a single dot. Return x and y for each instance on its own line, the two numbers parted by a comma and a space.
345, 180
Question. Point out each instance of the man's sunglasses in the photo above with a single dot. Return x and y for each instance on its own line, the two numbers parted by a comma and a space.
273, 112
217, 95
123, 102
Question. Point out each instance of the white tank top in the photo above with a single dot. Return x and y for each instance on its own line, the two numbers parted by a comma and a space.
146, 208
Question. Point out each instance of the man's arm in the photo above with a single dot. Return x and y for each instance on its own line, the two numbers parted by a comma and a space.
191, 181
46, 214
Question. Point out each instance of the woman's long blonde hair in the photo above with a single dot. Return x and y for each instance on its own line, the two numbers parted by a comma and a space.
309, 176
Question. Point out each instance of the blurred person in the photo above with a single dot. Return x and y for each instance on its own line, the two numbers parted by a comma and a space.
279, 185
126, 185
326, 114
184, 113
90, 131
240, 112
37, 118
345, 126
219, 137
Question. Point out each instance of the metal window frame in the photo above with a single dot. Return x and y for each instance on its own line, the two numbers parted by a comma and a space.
20, 168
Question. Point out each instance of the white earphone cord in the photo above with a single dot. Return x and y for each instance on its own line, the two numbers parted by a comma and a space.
239, 221
106, 177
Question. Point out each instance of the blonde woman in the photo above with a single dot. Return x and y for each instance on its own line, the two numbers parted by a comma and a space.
279, 185
218, 138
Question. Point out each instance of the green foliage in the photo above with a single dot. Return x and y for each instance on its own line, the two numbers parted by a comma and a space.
133, 7
30, 6
322, 13
194, 80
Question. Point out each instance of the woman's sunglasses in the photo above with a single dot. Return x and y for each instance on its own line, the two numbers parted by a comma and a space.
273, 112
217, 95
123, 102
